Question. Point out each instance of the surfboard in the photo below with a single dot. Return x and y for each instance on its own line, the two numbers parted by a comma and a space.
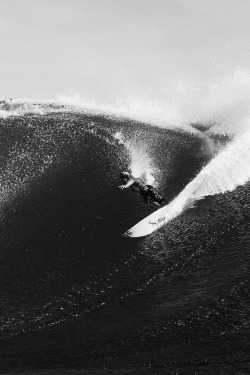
148, 225
163, 215
155, 220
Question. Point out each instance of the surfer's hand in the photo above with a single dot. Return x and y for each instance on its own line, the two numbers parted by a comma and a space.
122, 187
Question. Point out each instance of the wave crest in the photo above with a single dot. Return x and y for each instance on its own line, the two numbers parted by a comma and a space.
229, 169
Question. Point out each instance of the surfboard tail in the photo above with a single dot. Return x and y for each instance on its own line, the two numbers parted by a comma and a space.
128, 234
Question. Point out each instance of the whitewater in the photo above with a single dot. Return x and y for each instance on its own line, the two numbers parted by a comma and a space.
229, 169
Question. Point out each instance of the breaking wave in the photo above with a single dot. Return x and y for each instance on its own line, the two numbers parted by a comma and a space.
229, 169
65, 264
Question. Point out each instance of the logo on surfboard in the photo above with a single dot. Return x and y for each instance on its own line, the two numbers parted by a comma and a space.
160, 220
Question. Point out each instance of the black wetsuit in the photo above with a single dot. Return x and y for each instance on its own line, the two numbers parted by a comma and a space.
147, 192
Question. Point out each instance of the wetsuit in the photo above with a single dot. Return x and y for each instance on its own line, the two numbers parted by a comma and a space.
147, 192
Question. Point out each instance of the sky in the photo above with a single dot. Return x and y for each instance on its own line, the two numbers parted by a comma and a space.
123, 51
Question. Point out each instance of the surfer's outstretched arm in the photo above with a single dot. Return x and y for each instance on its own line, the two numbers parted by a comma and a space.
129, 183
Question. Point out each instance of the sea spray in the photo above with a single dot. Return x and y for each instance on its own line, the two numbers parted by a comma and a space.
141, 165
229, 169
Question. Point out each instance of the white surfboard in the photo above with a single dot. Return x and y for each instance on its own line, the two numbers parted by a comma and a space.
152, 222
164, 215
148, 225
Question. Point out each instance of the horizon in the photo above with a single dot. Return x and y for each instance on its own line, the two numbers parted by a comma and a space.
140, 54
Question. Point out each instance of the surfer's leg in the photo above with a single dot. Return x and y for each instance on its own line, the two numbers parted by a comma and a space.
157, 204
155, 197
161, 200
152, 194
145, 196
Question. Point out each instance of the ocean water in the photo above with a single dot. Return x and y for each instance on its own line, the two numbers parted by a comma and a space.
77, 296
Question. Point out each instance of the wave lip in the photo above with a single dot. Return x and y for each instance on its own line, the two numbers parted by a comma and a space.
19, 107
229, 169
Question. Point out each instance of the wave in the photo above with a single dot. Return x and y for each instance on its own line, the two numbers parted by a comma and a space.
228, 170
222, 102
64, 262
19, 107
231, 168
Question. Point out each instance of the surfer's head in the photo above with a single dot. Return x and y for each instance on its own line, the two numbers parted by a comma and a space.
125, 176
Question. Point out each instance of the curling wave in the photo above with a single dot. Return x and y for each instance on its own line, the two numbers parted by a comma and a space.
229, 169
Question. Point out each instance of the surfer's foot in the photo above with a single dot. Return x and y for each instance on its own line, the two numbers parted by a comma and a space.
157, 204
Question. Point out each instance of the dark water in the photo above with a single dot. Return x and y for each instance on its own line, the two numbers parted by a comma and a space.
78, 297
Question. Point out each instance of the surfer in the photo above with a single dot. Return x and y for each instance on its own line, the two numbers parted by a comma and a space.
148, 193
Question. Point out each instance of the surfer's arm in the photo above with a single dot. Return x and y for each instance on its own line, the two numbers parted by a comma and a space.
129, 183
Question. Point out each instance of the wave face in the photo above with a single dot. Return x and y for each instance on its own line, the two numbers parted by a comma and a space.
74, 292
231, 168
